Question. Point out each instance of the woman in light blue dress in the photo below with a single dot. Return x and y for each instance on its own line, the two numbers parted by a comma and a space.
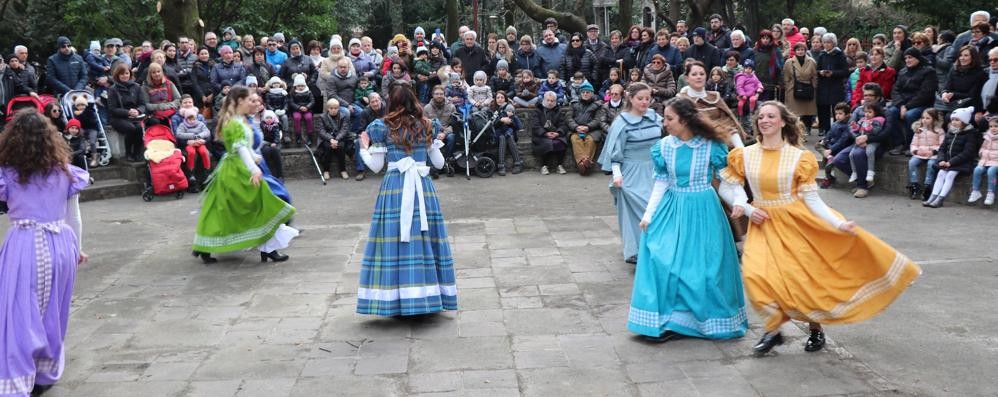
625, 153
687, 281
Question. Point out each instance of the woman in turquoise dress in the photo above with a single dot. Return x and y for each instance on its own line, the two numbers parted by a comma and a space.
407, 267
237, 210
687, 280
625, 153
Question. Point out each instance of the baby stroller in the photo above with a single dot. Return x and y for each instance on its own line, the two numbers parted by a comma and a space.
26, 101
102, 147
477, 144
165, 161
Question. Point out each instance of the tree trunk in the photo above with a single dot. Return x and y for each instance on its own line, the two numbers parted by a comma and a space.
395, 14
698, 12
453, 19
676, 12
752, 17
567, 22
625, 15
180, 18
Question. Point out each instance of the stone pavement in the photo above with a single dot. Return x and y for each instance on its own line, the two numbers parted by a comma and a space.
543, 294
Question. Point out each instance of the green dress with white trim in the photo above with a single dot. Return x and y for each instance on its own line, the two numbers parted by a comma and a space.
235, 214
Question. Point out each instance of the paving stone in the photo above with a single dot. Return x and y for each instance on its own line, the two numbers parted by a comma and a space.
675, 388
131, 389
323, 367
495, 379
266, 387
213, 388
548, 321
434, 382
519, 290
368, 386
478, 298
295, 305
589, 350
568, 381
540, 359
378, 365
484, 352
532, 275
522, 302
170, 371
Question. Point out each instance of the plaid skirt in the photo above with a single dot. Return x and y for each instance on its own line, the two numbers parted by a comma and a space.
406, 278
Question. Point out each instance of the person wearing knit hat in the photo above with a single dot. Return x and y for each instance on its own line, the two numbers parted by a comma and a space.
354, 41
251, 81
511, 34
95, 47
279, 38
700, 32
336, 43
956, 154
225, 50
502, 64
419, 34
65, 70
74, 123
909, 99
586, 127
422, 49
229, 38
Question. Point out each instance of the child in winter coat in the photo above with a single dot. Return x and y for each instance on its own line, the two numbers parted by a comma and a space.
363, 90
276, 99
216, 107
270, 126
929, 134
88, 126
457, 92
868, 133
987, 165
613, 78
526, 90
838, 139
573, 89
634, 76
77, 145
422, 70
300, 107
502, 80
196, 134
186, 102
719, 82
480, 94
506, 126
554, 85
748, 86
956, 154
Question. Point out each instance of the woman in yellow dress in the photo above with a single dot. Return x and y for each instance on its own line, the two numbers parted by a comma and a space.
802, 260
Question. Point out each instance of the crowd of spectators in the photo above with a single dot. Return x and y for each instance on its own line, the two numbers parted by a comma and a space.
866, 97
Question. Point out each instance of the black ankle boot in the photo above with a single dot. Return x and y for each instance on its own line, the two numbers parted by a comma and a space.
274, 256
815, 342
205, 257
926, 192
915, 190
767, 343
39, 390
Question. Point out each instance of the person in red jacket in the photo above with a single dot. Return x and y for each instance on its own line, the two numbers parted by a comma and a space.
791, 34
876, 72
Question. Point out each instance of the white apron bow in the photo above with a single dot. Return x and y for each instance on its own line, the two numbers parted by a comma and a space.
413, 173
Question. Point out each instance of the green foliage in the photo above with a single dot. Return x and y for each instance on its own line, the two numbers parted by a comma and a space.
845, 19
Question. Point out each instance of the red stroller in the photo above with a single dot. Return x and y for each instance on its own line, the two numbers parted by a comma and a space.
27, 101
165, 160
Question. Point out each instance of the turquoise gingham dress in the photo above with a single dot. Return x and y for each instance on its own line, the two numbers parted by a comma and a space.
397, 277
687, 279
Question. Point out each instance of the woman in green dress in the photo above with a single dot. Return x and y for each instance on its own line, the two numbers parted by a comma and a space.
237, 210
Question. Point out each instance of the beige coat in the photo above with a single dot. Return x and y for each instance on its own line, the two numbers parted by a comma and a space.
807, 73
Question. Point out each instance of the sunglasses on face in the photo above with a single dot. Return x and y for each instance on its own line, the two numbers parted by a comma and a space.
66, 46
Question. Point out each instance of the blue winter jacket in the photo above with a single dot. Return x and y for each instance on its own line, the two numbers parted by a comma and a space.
551, 56
838, 137
529, 61
65, 73
276, 58
233, 73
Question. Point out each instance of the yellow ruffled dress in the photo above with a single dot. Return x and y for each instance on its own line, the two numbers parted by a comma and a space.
798, 266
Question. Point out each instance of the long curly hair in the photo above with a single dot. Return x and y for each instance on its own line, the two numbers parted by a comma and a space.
404, 119
690, 115
793, 128
30, 144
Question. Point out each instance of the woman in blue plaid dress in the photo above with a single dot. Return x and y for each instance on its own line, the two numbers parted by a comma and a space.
407, 267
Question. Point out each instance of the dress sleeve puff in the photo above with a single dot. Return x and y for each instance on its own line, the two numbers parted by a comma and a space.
718, 155
734, 172
806, 172
378, 133
79, 180
235, 134
658, 160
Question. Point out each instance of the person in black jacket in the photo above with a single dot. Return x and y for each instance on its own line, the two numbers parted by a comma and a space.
703, 51
473, 57
578, 59
549, 134
335, 138
913, 91
200, 76
833, 70
956, 155
965, 80
19, 80
617, 54
125, 104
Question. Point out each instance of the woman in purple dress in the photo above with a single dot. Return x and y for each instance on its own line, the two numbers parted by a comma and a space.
39, 255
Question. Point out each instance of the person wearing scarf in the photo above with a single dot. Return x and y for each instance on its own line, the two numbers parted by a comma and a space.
769, 64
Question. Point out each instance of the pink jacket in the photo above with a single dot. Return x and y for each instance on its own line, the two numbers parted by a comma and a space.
989, 150
926, 139
747, 84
